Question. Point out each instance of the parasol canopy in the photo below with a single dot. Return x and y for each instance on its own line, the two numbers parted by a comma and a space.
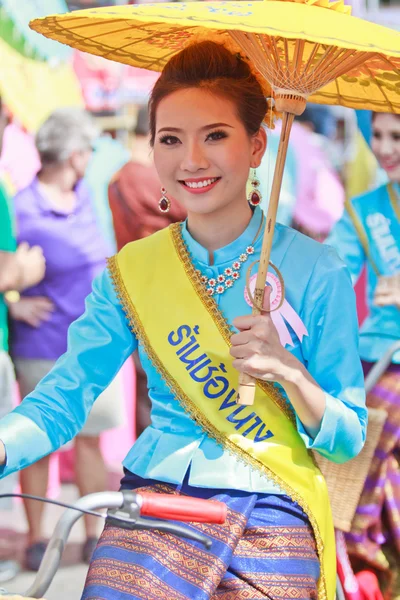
314, 47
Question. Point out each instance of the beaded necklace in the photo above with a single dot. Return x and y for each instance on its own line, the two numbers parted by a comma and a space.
221, 283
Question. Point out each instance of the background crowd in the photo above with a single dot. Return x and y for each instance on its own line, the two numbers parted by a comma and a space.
77, 183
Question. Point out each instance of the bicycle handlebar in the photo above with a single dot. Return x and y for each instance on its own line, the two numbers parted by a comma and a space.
125, 510
181, 508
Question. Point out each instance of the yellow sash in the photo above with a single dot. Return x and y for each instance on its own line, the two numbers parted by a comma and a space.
187, 339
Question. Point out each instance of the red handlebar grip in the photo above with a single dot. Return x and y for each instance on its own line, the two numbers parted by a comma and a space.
182, 508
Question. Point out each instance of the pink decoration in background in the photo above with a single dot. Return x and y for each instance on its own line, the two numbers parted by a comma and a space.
320, 194
19, 158
369, 585
285, 313
108, 85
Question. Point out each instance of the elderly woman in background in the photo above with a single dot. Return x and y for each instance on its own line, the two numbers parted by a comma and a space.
55, 212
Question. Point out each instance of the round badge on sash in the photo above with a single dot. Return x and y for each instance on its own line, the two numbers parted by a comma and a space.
280, 310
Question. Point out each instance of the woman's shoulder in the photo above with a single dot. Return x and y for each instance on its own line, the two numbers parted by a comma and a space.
307, 256
296, 243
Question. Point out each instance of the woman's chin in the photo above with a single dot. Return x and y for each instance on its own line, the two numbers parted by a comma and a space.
202, 205
393, 174
395, 178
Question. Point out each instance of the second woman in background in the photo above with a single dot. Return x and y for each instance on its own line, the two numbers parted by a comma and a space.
368, 236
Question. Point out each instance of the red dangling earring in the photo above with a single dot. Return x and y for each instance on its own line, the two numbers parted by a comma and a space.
254, 198
164, 203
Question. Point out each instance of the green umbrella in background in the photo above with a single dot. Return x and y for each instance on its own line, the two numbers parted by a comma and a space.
14, 28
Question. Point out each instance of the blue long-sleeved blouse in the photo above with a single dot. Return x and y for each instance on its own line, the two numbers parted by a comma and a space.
318, 287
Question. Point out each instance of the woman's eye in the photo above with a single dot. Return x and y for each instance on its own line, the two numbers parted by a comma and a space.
216, 135
169, 140
396, 137
376, 135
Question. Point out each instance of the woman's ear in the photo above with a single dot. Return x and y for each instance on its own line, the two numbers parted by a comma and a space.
259, 147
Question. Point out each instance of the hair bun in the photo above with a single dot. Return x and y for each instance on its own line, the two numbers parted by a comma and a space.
213, 66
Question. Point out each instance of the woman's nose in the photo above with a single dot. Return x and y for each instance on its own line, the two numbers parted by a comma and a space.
386, 147
194, 158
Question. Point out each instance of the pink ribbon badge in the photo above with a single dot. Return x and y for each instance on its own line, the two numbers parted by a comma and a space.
282, 314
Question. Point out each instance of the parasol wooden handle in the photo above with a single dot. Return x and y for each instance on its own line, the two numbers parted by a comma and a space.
247, 384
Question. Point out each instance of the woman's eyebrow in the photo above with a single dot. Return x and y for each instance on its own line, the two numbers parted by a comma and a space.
205, 128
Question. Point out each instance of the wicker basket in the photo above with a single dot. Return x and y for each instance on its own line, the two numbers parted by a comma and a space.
346, 481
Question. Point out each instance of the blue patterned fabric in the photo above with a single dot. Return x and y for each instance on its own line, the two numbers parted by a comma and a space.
266, 549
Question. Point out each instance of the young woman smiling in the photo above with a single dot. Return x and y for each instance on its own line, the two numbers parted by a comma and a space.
181, 297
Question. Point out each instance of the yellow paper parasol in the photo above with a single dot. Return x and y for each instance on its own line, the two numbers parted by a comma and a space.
306, 49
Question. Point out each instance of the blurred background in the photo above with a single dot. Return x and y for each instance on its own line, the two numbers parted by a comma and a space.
329, 151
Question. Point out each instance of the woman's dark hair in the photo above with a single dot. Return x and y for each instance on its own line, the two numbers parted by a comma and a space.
212, 67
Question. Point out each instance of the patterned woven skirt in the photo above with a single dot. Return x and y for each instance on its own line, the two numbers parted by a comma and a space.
266, 549
375, 530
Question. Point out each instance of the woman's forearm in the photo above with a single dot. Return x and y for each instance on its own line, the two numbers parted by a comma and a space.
10, 272
306, 397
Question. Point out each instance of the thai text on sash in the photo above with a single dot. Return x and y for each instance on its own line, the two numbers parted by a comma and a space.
215, 384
